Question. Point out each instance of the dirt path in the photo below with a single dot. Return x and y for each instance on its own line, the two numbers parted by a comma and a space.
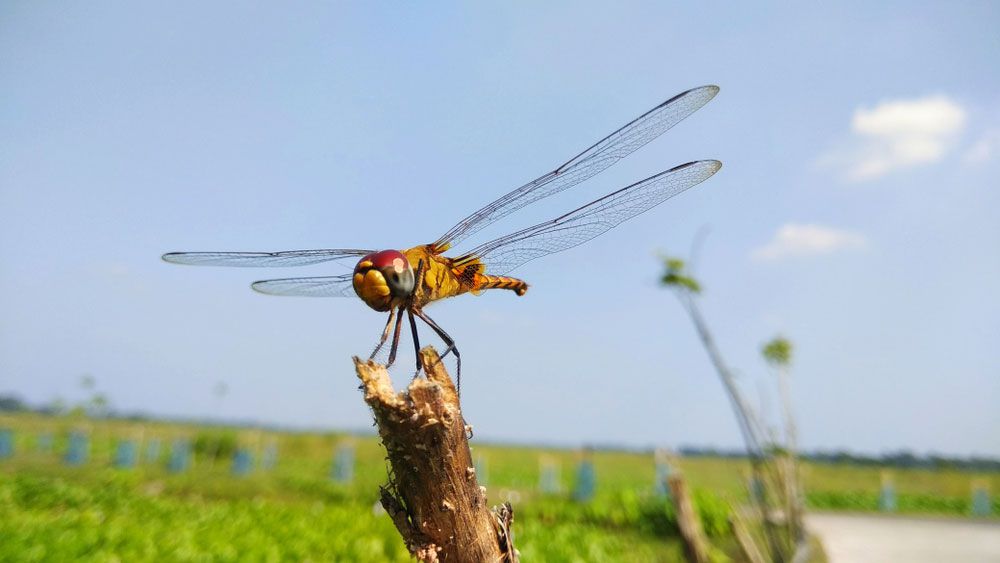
853, 538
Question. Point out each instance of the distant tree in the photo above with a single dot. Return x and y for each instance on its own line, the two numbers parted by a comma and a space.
99, 406
55, 407
94, 405
12, 403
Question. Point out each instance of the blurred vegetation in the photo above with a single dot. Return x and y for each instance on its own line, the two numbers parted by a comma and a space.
778, 351
49, 511
215, 444
783, 485
774, 467
675, 275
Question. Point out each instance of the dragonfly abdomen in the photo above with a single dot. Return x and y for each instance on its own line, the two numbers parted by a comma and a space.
501, 282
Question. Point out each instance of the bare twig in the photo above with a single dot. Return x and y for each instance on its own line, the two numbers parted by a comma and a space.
433, 497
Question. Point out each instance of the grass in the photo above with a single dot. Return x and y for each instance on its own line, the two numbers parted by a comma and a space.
51, 511
857, 488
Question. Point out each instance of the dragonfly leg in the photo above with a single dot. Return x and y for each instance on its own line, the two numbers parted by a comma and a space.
449, 342
385, 334
419, 277
416, 340
395, 339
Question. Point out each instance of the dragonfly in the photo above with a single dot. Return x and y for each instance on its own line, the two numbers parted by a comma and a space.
404, 282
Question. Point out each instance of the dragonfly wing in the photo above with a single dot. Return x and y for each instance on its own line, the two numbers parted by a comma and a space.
323, 286
590, 162
503, 255
262, 259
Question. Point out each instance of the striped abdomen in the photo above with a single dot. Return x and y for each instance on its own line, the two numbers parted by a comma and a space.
469, 270
501, 282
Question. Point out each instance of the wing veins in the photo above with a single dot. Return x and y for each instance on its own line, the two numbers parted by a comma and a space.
281, 259
319, 286
595, 159
504, 254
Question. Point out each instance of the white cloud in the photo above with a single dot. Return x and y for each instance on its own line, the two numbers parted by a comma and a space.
899, 134
986, 148
796, 241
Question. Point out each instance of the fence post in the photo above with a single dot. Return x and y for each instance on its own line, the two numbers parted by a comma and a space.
125, 454
887, 494
586, 480
180, 456
695, 544
482, 468
343, 463
76, 452
756, 487
748, 546
549, 475
661, 460
6, 443
242, 462
981, 506
269, 458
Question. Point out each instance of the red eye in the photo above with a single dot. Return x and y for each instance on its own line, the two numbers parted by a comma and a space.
388, 259
393, 266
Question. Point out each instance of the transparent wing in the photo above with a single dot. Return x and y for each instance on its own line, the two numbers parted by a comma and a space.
323, 286
506, 253
262, 259
595, 159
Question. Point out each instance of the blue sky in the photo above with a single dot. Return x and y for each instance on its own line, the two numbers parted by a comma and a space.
856, 211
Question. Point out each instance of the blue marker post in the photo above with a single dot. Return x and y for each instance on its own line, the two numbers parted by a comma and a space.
77, 449
269, 458
180, 456
887, 495
125, 454
549, 476
661, 459
343, 463
756, 488
586, 479
482, 470
242, 462
981, 506
6, 443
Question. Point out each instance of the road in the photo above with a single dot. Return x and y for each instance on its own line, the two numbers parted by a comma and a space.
851, 538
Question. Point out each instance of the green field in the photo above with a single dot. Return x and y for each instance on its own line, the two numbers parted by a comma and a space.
295, 511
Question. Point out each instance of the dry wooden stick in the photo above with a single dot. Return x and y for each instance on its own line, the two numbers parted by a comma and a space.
696, 547
432, 496
746, 541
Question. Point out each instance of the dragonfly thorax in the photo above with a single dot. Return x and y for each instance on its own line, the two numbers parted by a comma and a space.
383, 278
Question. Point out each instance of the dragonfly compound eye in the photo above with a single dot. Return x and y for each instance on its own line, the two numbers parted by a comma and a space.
383, 276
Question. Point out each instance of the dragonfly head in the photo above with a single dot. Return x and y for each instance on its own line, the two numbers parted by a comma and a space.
383, 278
